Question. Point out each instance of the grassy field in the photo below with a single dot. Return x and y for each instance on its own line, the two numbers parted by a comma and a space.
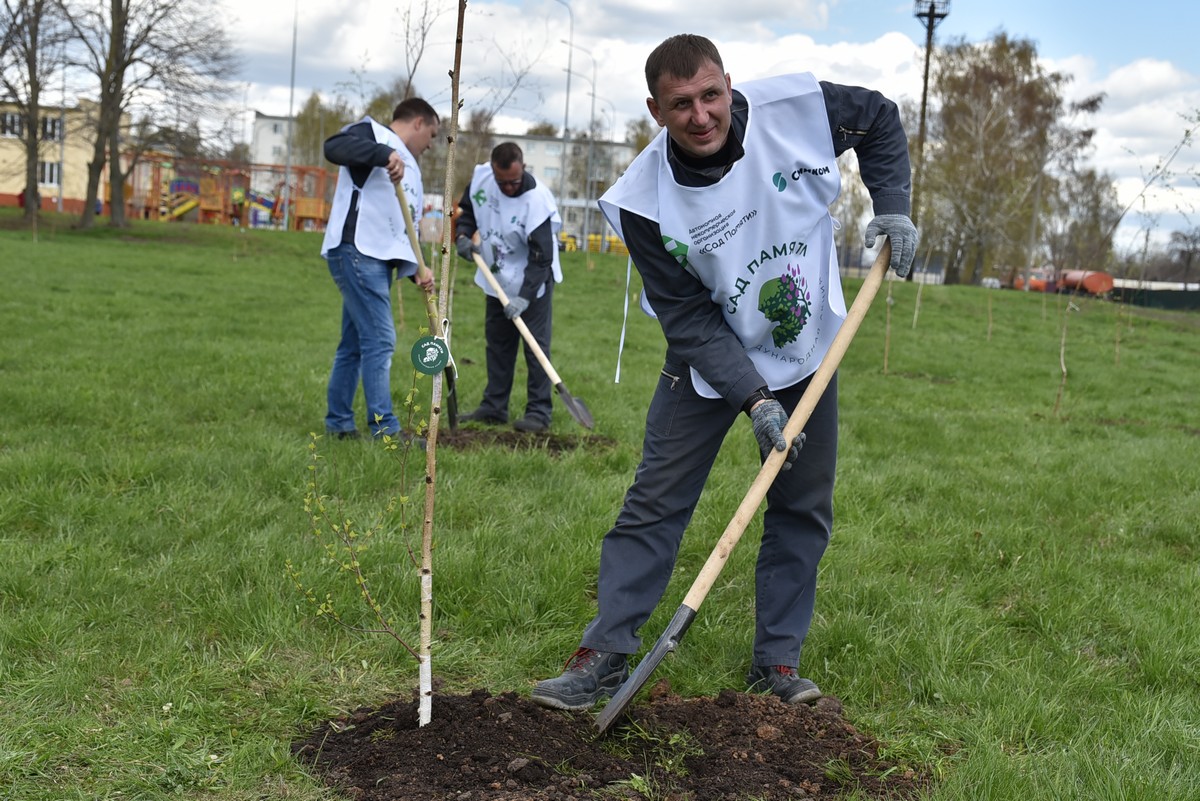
1009, 600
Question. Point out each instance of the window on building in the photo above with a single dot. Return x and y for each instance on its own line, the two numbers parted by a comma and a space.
277, 152
51, 129
49, 173
551, 174
553, 148
276, 128
11, 124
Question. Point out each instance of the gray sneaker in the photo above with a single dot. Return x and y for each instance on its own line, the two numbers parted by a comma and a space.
588, 676
784, 682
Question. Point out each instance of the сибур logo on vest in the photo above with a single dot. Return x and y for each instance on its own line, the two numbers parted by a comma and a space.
781, 181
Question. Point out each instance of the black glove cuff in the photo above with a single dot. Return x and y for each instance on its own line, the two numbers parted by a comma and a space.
760, 394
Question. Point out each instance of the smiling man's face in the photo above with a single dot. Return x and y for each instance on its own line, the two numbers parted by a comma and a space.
695, 111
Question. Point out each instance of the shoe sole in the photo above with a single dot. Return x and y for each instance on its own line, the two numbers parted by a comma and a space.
806, 697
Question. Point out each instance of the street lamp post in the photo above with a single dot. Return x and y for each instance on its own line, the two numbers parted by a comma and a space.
562, 161
612, 136
287, 170
931, 12
612, 116
587, 178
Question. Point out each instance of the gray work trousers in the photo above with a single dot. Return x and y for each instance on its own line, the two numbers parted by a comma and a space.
503, 339
684, 433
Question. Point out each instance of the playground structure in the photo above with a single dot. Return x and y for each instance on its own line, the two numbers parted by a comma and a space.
167, 189
595, 243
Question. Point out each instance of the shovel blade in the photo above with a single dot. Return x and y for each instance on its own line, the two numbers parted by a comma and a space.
667, 643
576, 407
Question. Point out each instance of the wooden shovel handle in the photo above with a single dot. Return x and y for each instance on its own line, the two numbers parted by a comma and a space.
431, 308
804, 409
518, 322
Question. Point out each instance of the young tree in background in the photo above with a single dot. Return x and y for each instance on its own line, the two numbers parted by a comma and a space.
542, 128
852, 209
1080, 207
316, 122
640, 133
418, 22
1184, 248
998, 106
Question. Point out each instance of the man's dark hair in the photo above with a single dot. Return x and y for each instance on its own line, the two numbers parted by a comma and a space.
415, 107
505, 154
680, 56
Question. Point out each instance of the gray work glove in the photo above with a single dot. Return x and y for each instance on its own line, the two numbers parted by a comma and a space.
466, 248
769, 419
900, 229
516, 305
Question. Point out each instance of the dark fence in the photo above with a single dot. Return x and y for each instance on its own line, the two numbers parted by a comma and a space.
1176, 299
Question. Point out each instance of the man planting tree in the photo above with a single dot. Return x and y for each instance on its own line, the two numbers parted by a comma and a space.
365, 240
517, 221
726, 215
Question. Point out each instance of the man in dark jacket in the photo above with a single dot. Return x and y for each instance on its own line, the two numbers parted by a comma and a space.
726, 216
518, 223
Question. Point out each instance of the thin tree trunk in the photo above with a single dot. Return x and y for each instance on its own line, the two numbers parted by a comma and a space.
921, 285
33, 198
95, 169
116, 179
1062, 357
425, 702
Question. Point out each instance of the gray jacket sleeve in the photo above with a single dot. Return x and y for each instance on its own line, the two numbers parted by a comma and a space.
696, 332
540, 266
867, 122
356, 149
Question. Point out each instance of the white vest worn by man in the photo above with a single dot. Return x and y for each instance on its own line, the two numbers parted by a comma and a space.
380, 233
504, 224
761, 238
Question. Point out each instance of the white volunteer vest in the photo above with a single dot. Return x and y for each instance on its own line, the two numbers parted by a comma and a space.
761, 238
504, 224
380, 232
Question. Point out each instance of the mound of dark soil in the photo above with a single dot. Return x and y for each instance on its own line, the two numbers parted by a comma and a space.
482, 747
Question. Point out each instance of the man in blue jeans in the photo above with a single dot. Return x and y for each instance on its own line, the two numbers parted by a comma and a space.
365, 240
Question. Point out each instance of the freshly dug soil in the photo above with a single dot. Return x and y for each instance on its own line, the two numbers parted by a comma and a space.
482, 747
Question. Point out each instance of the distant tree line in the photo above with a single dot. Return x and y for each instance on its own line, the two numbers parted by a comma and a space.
1006, 183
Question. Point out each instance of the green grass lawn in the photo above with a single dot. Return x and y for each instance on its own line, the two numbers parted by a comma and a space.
1009, 600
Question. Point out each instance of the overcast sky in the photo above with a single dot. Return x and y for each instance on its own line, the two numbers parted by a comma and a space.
1143, 56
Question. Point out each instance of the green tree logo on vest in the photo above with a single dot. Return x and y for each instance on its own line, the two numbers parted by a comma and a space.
677, 249
786, 301
479, 197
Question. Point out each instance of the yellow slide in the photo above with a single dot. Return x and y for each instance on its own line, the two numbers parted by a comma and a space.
182, 203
